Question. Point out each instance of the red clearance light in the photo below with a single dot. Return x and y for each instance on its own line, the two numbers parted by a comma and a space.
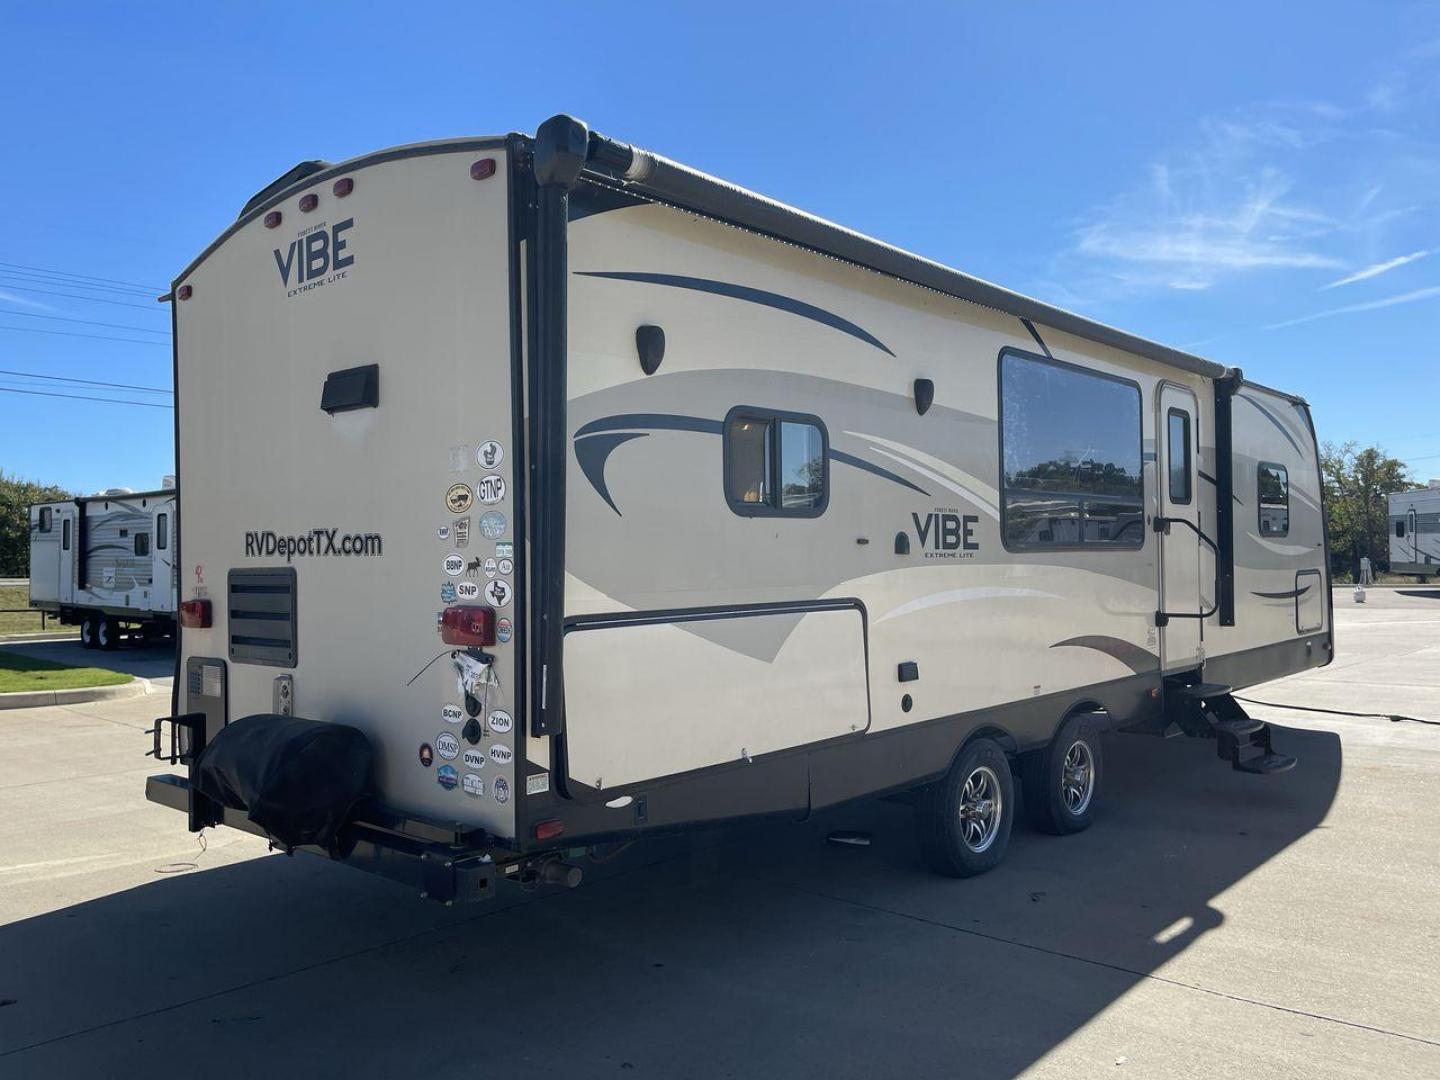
183, 292
195, 613
343, 187
272, 219
309, 202
548, 830
468, 624
483, 169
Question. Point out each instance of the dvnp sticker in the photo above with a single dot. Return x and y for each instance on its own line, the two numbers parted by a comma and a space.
474, 758
490, 489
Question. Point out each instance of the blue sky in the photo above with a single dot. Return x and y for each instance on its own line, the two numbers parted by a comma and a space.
1257, 183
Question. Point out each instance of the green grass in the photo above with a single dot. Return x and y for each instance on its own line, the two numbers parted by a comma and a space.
27, 673
25, 622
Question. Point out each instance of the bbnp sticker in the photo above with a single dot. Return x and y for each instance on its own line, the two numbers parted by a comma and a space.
501, 755
474, 758
490, 489
454, 564
500, 722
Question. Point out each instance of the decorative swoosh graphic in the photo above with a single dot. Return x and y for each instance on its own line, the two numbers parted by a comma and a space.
1134, 657
1274, 420
1291, 595
958, 596
748, 294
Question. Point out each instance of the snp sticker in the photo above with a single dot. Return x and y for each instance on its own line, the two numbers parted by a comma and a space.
492, 525
489, 454
501, 789
490, 489
500, 722
454, 564
459, 498
473, 785
447, 746
467, 590
452, 714
474, 758
497, 592
501, 755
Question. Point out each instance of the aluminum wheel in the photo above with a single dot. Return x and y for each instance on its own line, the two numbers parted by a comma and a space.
981, 809
1077, 778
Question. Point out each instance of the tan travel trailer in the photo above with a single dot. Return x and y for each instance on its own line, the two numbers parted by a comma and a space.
1415, 532
543, 492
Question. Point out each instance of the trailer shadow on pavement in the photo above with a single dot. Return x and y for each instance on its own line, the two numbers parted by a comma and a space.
760, 951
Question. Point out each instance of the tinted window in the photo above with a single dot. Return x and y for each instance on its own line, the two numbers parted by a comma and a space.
1399, 528
45, 519
1274, 498
1177, 455
142, 543
162, 531
1070, 457
65, 533
775, 464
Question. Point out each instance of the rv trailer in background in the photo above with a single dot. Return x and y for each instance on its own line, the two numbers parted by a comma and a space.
543, 493
1415, 531
107, 564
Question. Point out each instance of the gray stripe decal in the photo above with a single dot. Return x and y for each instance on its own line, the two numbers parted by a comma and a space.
1291, 595
591, 455
860, 463
1036, 335
1134, 657
746, 293
1276, 421
651, 421
1210, 479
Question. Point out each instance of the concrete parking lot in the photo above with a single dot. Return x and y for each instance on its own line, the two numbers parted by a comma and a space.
1210, 924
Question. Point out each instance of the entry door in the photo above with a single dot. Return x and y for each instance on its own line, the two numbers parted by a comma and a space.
162, 560
65, 586
1180, 554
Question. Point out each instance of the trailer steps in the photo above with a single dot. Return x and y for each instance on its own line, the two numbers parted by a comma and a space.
1209, 710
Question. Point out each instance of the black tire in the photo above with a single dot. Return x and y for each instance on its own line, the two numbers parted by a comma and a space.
109, 634
955, 839
89, 631
1062, 781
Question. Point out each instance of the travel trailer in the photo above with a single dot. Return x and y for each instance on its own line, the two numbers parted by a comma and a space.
1415, 531
544, 493
107, 564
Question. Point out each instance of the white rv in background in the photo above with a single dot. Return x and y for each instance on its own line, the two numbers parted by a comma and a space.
1415, 531
107, 564
590, 496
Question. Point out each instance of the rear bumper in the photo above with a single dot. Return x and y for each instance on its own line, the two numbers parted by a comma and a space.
444, 862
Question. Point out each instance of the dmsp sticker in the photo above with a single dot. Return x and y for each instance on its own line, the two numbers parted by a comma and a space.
501, 789
492, 525
490, 489
447, 746
497, 592
454, 564
504, 630
452, 714
467, 590
474, 757
489, 454
459, 498
500, 722
537, 783
447, 777
501, 755
474, 785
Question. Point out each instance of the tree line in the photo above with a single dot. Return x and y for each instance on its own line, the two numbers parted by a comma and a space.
16, 497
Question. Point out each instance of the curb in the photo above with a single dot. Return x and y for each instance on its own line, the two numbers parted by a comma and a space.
29, 699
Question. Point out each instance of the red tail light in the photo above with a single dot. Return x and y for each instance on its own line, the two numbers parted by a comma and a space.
272, 219
548, 830
343, 187
468, 624
308, 202
483, 169
195, 613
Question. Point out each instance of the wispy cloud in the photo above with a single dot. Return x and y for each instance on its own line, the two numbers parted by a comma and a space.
1370, 305
11, 298
1376, 269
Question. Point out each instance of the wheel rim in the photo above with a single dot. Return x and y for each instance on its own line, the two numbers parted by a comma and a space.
981, 809
1077, 778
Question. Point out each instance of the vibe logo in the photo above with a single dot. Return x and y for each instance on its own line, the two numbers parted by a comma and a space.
315, 258
947, 535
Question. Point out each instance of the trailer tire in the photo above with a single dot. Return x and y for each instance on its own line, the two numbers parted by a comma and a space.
958, 837
89, 631
1062, 781
108, 637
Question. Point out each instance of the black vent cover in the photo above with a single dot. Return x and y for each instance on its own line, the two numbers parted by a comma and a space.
261, 607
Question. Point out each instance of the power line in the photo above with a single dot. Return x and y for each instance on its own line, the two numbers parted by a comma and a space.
77, 296
88, 382
71, 333
67, 273
122, 290
87, 322
82, 397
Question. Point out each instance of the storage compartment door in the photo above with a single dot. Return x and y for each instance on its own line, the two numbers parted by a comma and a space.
652, 696
1309, 601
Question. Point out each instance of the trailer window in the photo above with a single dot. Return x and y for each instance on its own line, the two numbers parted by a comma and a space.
162, 531
1399, 528
1070, 456
64, 534
775, 464
1273, 491
1177, 456
45, 519
142, 543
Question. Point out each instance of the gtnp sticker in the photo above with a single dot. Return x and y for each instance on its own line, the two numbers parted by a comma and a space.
447, 746
452, 714
447, 777
501, 789
500, 722
489, 454
474, 785
474, 758
490, 489
454, 564
492, 525
497, 592
501, 755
